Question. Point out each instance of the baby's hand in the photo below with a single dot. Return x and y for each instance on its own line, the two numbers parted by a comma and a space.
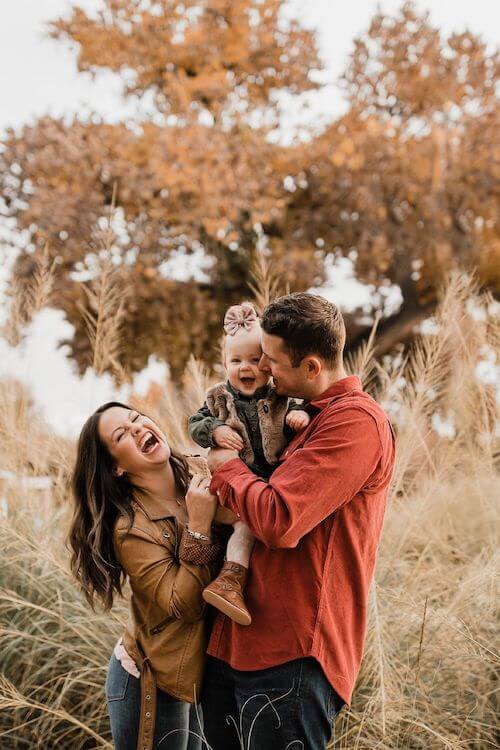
297, 419
226, 437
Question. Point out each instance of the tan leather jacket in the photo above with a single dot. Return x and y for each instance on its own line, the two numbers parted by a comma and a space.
166, 634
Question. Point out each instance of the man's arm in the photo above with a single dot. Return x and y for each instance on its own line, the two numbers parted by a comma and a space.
329, 470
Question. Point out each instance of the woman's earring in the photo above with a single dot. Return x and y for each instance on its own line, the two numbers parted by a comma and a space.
118, 472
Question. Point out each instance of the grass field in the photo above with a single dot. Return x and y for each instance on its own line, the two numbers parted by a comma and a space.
428, 678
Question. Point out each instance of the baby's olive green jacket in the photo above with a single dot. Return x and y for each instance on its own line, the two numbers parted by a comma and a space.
259, 419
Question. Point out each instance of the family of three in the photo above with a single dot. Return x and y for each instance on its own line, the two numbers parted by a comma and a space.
248, 570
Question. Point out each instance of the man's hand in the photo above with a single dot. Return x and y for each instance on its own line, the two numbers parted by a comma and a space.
226, 437
297, 419
219, 456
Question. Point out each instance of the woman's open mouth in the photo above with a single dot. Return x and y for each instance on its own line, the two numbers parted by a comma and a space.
149, 443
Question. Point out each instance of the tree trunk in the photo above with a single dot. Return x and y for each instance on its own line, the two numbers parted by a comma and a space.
398, 329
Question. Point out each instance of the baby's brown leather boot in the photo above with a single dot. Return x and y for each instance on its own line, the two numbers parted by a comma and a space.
225, 593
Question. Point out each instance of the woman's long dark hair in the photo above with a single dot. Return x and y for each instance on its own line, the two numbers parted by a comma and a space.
100, 497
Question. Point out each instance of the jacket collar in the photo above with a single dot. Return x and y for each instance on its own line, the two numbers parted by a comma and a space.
156, 509
153, 508
340, 388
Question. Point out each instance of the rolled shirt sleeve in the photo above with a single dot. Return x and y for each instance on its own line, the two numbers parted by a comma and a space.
330, 468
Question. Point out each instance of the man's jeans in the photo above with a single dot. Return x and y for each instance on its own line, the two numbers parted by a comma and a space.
291, 706
176, 721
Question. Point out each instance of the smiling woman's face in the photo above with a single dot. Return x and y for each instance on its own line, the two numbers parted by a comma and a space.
135, 441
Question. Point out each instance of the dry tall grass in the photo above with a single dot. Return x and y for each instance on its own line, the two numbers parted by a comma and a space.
28, 296
104, 308
428, 676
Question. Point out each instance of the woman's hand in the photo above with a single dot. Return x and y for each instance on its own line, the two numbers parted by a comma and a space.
200, 504
125, 660
225, 516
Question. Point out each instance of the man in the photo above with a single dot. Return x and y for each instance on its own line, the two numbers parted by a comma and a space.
317, 521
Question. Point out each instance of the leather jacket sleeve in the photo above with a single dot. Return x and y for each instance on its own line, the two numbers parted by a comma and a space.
156, 575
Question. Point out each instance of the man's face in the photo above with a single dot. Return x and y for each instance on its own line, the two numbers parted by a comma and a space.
288, 380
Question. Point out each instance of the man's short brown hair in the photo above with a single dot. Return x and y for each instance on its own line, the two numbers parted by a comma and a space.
308, 324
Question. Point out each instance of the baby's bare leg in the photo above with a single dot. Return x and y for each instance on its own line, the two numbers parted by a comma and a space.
240, 545
227, 592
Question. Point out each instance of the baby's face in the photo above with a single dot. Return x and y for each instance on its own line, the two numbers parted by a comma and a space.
242, 356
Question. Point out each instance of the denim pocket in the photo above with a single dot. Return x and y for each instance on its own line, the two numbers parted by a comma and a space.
116, 681
335, 704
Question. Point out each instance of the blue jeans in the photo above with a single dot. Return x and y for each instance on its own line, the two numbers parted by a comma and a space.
176, 720
291, 706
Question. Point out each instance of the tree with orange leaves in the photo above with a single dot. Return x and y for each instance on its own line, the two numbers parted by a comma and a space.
200, 178
405, 183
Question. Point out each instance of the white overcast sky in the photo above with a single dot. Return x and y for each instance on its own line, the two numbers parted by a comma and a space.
38, 75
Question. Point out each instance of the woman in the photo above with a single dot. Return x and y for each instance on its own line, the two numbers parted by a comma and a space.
141, 514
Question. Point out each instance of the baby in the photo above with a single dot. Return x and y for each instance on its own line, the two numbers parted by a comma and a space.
244, 414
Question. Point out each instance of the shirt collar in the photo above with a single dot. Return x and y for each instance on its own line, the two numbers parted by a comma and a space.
339, 388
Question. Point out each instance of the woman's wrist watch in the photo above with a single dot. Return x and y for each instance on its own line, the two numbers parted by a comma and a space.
198, 535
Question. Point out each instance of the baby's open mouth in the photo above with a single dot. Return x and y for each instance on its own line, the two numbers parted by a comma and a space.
247, 381
149, 443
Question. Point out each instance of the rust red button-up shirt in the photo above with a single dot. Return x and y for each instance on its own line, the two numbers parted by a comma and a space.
318, 522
